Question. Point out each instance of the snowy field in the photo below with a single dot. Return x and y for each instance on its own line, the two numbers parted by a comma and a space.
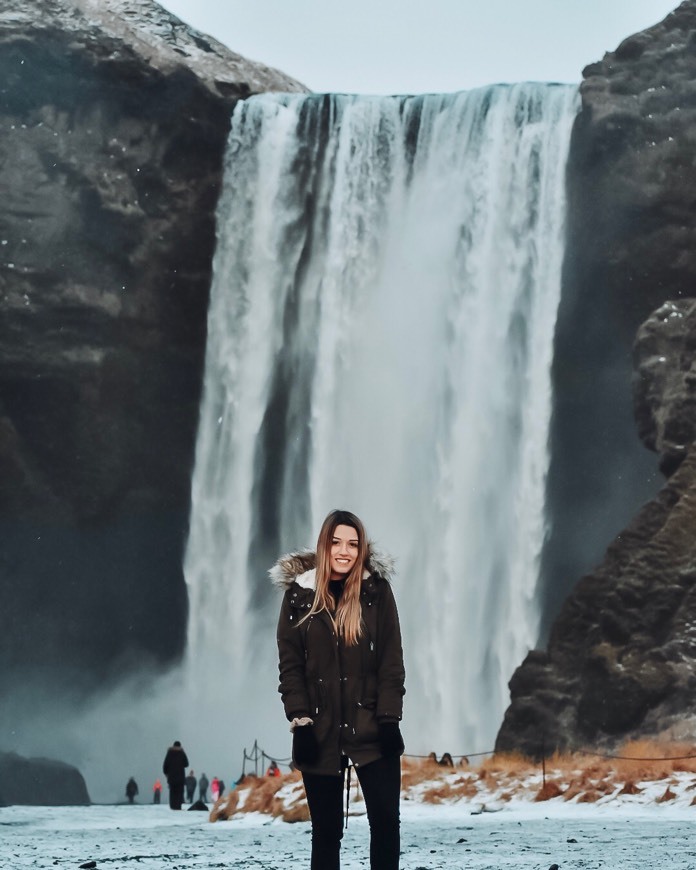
533, 836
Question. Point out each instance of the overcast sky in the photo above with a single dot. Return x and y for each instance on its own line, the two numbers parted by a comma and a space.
404, 46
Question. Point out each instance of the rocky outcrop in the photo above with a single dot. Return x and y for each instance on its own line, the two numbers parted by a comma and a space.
113, 122
631, 245
40, 782
620, 650
621, 659
665, 382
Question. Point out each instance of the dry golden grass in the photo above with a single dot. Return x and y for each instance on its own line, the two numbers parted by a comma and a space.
589, 797
414, 772
508, 763
260, 797
578, 776
573, 790
462, 788
650, 760
224, 807
548, 791
296, 813
668, 795
437, 794
586, 777
644, 760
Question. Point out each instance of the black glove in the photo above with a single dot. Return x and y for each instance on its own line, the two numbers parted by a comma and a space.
305, 748
390, 740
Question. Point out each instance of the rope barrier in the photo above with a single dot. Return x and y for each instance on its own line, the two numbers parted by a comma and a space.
454, 755
634, 757
257, 754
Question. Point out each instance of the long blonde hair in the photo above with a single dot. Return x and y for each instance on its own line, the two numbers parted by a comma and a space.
347, 618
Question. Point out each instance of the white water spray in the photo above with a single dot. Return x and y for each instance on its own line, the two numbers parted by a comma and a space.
380, 339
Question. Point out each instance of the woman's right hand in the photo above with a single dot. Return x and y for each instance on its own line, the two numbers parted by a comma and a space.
305, 747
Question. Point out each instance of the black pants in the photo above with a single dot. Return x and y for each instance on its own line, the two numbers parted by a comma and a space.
381, 786
176, 795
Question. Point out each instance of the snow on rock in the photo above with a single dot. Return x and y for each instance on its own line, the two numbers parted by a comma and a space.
498, 785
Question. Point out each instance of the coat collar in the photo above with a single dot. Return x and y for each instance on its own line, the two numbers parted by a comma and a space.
300, 567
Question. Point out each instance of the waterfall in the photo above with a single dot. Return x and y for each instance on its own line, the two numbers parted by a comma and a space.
380, 338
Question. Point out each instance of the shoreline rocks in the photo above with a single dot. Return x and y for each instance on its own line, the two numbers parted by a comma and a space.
40, 782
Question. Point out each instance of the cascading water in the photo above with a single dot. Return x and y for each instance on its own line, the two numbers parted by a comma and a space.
380, 339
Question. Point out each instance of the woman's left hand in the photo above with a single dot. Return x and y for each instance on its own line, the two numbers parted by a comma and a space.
390, 740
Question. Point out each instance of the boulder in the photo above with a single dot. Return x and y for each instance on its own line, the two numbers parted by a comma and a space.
40, 782
665, 381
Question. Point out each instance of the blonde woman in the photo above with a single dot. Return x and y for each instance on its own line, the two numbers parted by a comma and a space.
342, 684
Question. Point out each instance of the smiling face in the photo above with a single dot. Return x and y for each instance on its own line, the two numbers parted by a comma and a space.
344, 551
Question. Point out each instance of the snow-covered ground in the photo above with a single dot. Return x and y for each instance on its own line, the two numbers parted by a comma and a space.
521, 835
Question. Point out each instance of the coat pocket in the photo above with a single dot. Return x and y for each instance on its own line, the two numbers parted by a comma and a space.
366, 730
317, 697
320, 713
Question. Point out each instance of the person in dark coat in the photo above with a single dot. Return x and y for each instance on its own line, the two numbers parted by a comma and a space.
174, 768
191, 782
342, 684
203, 784
131, 790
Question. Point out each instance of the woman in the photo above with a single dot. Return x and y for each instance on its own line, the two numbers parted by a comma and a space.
342, 684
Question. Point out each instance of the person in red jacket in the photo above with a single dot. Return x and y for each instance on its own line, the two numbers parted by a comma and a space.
342, 684
273, 769
156, 792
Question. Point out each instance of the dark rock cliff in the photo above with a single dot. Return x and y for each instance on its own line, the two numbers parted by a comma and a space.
113, 122
40, 782
621, 659
631, 245
621, 653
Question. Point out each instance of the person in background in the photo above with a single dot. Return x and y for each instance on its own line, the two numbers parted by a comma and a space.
131, 790
342, 684
215, 788
273, 769
174, 768
203, 784
190, 783
221, 788
157, 792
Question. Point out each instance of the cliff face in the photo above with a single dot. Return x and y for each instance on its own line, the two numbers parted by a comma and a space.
631, 245
621, 653
113, 122
621, 659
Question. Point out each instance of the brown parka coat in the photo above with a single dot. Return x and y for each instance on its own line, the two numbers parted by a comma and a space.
345, 690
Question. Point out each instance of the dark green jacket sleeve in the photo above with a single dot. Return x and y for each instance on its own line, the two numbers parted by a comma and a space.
390, 666
291, 664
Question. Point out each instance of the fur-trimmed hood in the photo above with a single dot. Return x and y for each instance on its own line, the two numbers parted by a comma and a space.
301, 566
